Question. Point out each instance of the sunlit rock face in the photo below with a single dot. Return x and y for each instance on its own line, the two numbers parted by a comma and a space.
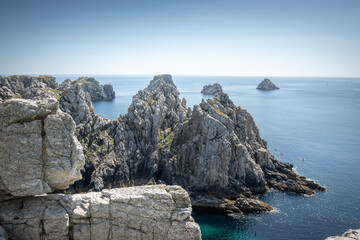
39, 152
148, 212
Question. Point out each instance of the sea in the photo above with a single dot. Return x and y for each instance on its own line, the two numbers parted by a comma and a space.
315, 119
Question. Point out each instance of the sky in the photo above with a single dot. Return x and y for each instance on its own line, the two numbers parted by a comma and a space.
183, 37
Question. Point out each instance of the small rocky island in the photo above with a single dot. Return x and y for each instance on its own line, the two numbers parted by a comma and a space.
266, 84
209, 158
90, 85
212, 89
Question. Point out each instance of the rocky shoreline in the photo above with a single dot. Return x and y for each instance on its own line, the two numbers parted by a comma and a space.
213, 151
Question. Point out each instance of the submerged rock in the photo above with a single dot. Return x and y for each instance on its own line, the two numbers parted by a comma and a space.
38, 149
351, 234
212, 89
266, 84
148, 212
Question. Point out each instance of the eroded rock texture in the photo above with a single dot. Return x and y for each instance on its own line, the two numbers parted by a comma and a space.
212, 89
351, 234
96, 91
22, 86
38, 149
148, 212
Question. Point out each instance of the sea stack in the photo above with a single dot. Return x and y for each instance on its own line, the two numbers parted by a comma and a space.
211, 89
266, 84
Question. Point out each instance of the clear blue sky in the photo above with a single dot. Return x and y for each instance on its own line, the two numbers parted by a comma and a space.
243, 38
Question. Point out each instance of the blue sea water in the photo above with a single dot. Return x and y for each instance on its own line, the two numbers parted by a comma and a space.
313, 118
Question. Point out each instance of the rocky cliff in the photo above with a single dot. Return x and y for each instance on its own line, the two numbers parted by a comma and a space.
38, 149
22, 86
96, 91
212, 89
214, 151
266, 84
39, 153
351, 234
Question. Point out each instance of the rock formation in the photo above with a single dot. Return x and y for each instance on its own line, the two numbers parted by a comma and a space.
212, 89
214, 151
266, 84
22, 86
350, 234
39, 154
148, 212
38, 149
96, 91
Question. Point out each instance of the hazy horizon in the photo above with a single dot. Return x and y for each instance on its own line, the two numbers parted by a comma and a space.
277, 38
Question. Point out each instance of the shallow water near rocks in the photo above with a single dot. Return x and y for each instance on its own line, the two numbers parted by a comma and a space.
317, 119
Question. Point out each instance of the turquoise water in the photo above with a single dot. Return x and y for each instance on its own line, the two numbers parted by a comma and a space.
313, 118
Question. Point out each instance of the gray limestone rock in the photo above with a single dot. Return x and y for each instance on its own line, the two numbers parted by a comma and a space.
351, 234
212, 89
148, 212
77, 103
96, 91
22, 86
38, 149
266, 84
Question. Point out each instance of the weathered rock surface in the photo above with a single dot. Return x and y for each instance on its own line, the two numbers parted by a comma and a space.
266, 84
77, 103
212, 89
148, 212
96, 91
351, 234
3, 234
22, 86
38, 149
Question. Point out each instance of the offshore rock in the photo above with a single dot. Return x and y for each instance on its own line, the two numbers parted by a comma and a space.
148, 212
212, 89
38, 149
351, 234
96, 91
266, 84
22, 86
213, 151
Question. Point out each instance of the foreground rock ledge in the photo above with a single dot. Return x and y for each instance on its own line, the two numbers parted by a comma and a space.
146, 212
350, 234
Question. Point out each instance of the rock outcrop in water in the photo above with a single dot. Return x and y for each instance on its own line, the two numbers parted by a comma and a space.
96, 91
149, 212
266, 84
214, 151
212, 89
39, 152
351, 234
